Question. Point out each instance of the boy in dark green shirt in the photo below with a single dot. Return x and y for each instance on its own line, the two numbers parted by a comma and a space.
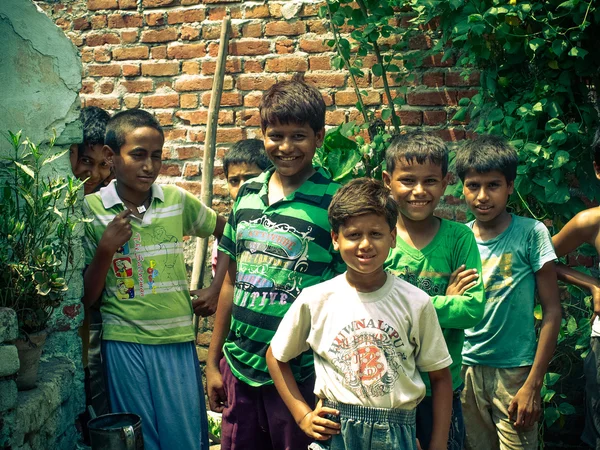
437, 255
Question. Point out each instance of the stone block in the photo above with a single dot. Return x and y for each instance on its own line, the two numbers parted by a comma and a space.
9, 327
9, 360
8, 395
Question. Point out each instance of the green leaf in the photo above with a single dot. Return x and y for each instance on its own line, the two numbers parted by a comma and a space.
537, 313
460, 115
554, 124
559, 46
496, 115
561, 157
547, 395
551, 378
553, 64
536, 44
568, 4
465, 101
25, 169
54, 157
551, 415
571, 325
558, 138
578, 52
566, 408
377, 70
386, 114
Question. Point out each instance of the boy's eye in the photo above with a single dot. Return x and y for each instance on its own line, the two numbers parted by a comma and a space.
299, 136
234, 181
85, 160
431, 181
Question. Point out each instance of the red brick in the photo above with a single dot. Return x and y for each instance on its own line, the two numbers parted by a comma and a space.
252, 30
131, 101
256, 12
138, 85
250, 47
176, 134
104, 70
419, 42
164, 118
230, 135
318, 26
282, 28
253, 66
255, 82
172, 170
434, 117
315, 46
432, 98
154, 19
189, 152
455, 79
101, 54
219, 12
156, 3
87, 87
319, 62
285, 46
103, 102
94, 40
193, 83
356, 116
349, 98
252, 99
327, 98
231, 66
189, 33
63, 24
76, 39
365, 80
87, 55
95, 5
433, 79
161, 101
129, 36
211, 31
125, 21
192, 170
159, 52
249, 118
188, 101
227, 98
466, 94
452, 134
186, 51
189, 2
186, 16
201, 117
81, 23
275, 10
190, 67
410, 117
98, 22
326, 80
164, 35
125, 53
160, 69
127, 4
436, 61
194, 187
164, 83
392, 79
335, 118
286, 64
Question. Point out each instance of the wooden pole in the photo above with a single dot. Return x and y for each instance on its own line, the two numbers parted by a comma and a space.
208, 161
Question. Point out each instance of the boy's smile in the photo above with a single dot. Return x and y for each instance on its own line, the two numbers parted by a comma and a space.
291, 148
138, 163
487, 194
237, 174
87, 161
417, 188
364, 243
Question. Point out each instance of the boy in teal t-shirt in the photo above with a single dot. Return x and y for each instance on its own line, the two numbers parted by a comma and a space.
503, 369
436, 255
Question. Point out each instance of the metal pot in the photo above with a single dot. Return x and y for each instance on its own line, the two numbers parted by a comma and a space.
121, 431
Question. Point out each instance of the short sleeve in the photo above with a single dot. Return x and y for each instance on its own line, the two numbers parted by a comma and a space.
89, 238
198, 219
227, 243
291, 337
432, 353
540, 247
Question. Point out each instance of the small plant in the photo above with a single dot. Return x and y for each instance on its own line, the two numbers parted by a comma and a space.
37, 222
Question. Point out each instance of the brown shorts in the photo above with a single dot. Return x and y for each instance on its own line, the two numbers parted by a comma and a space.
591, 368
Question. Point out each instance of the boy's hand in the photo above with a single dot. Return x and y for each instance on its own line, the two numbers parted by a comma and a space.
315, 425
205, 301
217, 399
117, 232
461, 280
526, 406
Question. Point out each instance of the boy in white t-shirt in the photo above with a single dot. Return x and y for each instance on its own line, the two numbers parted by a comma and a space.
371, 334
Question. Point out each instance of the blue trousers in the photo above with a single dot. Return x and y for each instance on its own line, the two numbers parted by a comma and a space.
161, 384
456, 435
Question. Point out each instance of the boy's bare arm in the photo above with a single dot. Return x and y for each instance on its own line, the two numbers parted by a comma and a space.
214, 380
583, 228
207, 299
579, 279
116, 234
525, 407
441, 395
312, 422
219, 227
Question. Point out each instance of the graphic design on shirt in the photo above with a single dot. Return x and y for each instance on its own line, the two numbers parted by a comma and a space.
122, 267
152, 274
497, 275
125, 288
368, 356
161, 238
424, 280
137, 238
124, 249
272, 258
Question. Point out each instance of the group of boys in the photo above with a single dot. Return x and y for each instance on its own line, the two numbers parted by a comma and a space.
348, 317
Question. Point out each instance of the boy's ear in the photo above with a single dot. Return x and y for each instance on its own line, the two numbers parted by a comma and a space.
597, 170
334, 240
320, 135
511, 187
387, 178
394, 233
108, 154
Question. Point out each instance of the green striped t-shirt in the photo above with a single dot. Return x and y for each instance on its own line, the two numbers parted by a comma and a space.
146, 297
279, 250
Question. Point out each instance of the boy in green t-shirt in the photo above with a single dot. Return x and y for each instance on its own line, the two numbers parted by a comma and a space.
437, 255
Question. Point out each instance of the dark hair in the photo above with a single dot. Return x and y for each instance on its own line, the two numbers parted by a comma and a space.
94, 122
248, 151
596, 147
362, 196
123, 122
487, 153
293, 101
417, 146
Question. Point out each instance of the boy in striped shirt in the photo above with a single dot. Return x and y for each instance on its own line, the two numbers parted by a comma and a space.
278, 240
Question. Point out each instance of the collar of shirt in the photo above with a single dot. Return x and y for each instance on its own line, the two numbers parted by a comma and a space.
110, 197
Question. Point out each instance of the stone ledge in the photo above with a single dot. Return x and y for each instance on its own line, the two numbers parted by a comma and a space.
9, 326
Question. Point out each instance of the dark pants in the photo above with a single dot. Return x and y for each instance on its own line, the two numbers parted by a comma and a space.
591, 366
257, 418
456, 436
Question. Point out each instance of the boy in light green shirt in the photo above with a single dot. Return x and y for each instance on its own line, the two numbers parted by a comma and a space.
436, 255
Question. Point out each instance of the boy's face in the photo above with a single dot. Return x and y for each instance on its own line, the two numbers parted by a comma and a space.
89, 162
364, 243
138, 163
291, 148
238, 174
417, 188
487, 194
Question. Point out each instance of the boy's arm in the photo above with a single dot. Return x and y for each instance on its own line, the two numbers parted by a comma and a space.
116, 234
525, 407
583, 228
572, 276
207, 299
441, 396
312, 422
214, 380
219, 227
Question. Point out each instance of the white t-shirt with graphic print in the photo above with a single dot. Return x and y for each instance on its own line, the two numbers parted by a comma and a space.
369, 347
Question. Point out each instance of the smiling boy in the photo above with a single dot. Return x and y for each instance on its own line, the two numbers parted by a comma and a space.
371, 333
503, 370
146, 306
279, 243
436, 255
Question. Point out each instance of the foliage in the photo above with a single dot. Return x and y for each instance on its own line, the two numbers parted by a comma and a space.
37, 222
